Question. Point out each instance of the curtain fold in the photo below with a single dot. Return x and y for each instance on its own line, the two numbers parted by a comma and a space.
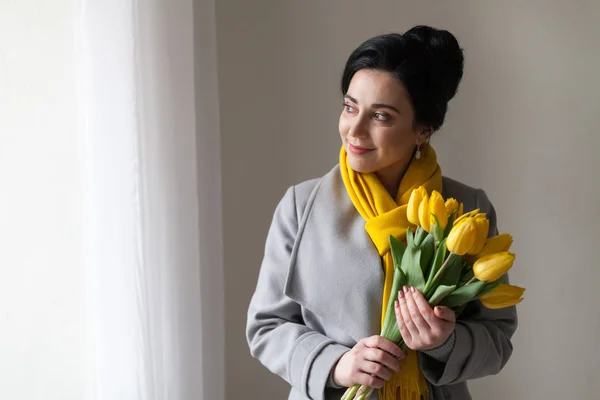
144, 201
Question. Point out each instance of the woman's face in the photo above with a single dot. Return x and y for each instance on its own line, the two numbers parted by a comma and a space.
376, 124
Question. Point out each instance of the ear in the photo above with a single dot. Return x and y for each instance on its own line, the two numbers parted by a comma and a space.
424, 134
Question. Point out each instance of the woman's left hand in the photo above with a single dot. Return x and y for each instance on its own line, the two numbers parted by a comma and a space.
422, 327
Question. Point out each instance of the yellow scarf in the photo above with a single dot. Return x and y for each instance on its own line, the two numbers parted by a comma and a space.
385, 216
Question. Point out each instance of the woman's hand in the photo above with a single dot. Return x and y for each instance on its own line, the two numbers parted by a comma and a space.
422, 327
370, 362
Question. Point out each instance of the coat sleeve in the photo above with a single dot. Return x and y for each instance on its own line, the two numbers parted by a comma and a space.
481, 342
275, 330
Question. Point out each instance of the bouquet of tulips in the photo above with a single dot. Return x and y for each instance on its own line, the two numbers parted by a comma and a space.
450, 259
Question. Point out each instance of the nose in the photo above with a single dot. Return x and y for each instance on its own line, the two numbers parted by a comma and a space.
358, 128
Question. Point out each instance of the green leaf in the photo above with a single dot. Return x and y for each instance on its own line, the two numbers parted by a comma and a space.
390, 330
463, 295
450, 223
467, 275
411, 265
489, 286
453, 271
437, 230
458, 310
409, 238
440, 257
397, 248
427, 250
420, 235
440, 294
389, 323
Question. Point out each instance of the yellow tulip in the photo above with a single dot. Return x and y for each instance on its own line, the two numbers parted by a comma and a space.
482, 227
424, 214
491, 267
503, 296
438, 208
412, 211
462, 236
496, 244
459, 213
451, 205
467, 215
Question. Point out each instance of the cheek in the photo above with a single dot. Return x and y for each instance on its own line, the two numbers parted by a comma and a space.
396, 142
343, 126
389, 138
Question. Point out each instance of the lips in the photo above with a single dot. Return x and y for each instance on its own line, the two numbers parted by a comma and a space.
357, 150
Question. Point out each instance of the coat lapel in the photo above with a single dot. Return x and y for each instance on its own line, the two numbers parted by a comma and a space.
332, 253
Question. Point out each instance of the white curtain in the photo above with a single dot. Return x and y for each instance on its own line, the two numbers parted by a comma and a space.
151, 182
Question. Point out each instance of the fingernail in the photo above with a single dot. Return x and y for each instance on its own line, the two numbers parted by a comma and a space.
405, 289
396, 304
400, 294
412, 289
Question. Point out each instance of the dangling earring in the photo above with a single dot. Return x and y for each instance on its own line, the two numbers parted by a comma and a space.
418, 153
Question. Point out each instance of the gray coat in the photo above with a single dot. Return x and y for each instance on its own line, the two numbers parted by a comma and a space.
319, 292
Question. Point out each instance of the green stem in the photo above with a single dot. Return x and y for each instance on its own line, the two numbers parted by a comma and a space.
349, 395
438, 275
365, 394
471, 281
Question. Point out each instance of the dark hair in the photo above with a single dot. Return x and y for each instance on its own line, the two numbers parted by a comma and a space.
428, 61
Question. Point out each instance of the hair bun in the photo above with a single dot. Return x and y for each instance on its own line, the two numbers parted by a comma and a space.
445, 57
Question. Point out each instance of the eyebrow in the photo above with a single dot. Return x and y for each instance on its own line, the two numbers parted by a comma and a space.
376, 105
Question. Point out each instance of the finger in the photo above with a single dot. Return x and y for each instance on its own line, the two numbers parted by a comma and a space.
410, 325
445, 313
376, 369
400, 322
424, 307
415, 313
382, 343
384, 358
369, 380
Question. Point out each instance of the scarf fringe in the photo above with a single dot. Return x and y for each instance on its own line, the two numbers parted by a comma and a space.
405, 389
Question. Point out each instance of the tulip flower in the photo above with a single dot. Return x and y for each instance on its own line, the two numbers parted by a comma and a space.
491, 267
467, 215
482, 227
412, 211
496, 244
503, 296
451, 205
462, 236
425, 214
459, 213
438, 208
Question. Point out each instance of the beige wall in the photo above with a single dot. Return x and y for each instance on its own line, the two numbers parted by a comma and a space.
525, 115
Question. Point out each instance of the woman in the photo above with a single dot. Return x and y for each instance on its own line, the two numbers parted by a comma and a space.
315, 316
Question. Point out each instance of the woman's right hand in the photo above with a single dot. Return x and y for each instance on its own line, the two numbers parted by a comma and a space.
371, 362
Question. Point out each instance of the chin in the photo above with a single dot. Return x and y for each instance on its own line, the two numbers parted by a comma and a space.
361, 165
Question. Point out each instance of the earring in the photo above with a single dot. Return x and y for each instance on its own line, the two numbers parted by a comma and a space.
418, 153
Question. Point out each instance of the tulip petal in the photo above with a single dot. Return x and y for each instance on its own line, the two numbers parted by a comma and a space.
424, 214
491, 267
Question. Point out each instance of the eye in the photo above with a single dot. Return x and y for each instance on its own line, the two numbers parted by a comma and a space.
381, 116
349, 108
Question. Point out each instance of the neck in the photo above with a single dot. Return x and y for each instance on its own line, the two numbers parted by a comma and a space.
390, 177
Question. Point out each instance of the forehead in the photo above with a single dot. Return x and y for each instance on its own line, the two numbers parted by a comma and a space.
375, 86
